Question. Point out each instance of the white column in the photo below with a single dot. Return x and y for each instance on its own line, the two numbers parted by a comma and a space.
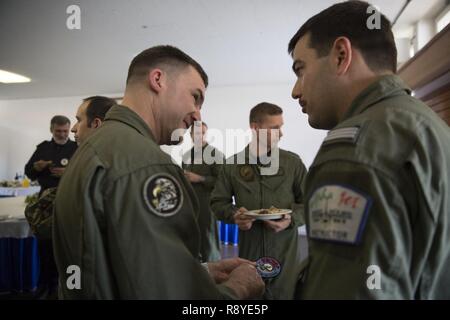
424, 32
403, 49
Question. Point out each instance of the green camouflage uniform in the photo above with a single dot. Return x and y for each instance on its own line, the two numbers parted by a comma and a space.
378, 202
209, 246
126, 216
253, 191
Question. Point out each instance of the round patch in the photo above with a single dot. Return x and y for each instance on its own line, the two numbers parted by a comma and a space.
162, 194
246, 173
64, 162
268, 267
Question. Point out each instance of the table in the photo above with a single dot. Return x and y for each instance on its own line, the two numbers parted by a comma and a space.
18, 192
19, 260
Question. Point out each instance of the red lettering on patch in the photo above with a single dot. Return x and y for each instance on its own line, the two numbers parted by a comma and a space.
347, 200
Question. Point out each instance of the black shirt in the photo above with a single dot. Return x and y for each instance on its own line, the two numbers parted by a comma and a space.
58, 154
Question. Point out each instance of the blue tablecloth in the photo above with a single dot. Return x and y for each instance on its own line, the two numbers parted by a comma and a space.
19, 264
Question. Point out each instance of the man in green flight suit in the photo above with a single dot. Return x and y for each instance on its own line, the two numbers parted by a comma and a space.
378, 193
125, 220
259, 177
201, 166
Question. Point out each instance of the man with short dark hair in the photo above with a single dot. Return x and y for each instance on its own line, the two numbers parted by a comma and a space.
90, 116
50, 159
124, 212
260, 177
378, 192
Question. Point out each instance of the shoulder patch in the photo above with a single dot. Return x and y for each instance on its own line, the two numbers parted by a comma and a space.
163, 195
338, 213
349, 135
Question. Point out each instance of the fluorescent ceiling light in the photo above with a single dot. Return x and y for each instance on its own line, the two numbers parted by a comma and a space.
9, 77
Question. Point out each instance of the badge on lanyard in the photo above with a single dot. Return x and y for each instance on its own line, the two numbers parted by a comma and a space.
268, 267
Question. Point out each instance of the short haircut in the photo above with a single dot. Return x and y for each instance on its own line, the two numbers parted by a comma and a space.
165, 57
349, 19
98, 107
263, 109
59, 120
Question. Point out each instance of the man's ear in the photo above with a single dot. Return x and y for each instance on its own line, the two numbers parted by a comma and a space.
155, 79
96, 123
341, 54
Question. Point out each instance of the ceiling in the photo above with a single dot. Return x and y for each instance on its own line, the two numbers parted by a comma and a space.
238, 42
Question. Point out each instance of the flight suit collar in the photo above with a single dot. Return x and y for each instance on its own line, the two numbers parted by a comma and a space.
384, 87
252, 159
131, 118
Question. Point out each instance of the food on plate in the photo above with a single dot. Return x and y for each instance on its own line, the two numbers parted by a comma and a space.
271, 210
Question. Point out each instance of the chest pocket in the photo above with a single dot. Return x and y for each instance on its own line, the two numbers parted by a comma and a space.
277, 181
245, 179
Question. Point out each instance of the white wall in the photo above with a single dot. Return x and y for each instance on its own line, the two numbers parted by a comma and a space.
25, 123
229, 108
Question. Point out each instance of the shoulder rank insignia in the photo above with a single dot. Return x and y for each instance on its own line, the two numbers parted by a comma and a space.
163, 195
349, 135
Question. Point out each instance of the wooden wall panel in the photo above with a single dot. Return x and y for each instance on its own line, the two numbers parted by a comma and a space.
428, 74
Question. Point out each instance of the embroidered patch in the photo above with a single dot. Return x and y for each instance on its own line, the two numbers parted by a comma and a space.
163, 195
64, 162
338, 213
349, 135
246, 173
268, 267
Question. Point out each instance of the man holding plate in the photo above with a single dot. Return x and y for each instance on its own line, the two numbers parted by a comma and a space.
262, 176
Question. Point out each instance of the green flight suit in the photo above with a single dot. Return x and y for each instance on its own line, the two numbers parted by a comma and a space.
253, 191
378, 202
125, 215
210, 245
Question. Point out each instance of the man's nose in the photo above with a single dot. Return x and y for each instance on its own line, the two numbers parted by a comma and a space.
296, 92
197, 115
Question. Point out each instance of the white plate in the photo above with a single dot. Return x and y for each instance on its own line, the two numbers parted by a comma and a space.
270, 216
